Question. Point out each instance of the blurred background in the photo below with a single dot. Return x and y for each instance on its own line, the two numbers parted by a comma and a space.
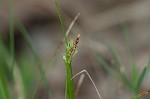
115, 36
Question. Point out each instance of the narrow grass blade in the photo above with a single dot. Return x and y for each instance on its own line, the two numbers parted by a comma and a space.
142, 75
140, 80
126, 81
11, 28
115, 73
4, 90
115, 57
5, 69
106, 66
118, 63
130, 54
61, 21
28, 40
24, 33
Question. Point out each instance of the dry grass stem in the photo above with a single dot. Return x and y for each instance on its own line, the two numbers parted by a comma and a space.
84, 71
79, 84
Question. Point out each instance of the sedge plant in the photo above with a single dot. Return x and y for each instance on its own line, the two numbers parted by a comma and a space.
67, 57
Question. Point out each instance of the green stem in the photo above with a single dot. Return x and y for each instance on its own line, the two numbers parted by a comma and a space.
61, 21
70, 83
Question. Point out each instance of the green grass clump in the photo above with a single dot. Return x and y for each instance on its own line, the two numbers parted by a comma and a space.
133, 83
9, 64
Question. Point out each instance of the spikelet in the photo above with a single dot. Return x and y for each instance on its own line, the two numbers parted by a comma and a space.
71, 49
